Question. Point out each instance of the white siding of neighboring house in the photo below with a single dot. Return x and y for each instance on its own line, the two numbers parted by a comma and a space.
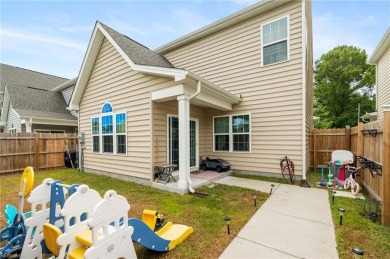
383, 82
272, 95
67, 94
112, 80
13, 118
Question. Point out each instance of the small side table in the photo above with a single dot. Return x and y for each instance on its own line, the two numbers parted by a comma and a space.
164, 171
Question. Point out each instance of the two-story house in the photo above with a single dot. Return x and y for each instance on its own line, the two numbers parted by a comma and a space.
381, 59
238, 89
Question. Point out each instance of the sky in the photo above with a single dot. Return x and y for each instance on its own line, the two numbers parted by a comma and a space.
52, 36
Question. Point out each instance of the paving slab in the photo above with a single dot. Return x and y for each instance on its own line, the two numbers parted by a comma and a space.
262, 186
295, 191
309, 209
242, 248
349, 195
291, 235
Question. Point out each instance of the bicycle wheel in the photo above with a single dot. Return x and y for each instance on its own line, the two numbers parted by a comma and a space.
347, 184
356, 189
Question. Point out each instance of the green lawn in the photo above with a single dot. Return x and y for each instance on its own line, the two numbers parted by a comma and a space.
205, 215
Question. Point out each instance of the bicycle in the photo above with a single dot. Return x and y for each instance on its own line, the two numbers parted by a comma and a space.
350, 181
287, 168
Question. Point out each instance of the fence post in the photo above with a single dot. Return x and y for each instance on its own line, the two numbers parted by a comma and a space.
36, 151
360, 140
348, 138
315, 150
386, 168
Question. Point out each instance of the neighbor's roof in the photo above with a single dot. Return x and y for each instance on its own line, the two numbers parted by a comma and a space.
10, 75
243, 15
38, 103
138, 53
383, 45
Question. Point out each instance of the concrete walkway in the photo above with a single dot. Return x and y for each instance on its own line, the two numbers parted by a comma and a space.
294, 222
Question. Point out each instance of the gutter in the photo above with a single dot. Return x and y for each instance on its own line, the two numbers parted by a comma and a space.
198, 89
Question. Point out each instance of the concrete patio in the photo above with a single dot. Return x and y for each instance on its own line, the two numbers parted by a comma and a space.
198, 179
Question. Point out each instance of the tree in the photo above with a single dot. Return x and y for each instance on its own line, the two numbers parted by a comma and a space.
342, 81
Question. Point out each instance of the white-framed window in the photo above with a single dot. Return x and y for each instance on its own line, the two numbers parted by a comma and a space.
109, 131
275, 41
232, 133
95, 134
12, 129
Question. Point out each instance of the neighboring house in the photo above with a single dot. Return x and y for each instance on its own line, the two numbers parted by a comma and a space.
381, 59
243, 84
369, 116
35, 102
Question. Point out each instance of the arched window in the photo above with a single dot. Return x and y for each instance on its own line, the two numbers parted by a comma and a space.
109, 130
107, 107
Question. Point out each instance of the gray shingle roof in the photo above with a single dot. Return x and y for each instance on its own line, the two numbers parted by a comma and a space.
10, 75
38, 103
138, 53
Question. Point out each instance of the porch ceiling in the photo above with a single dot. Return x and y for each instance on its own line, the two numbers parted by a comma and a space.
210, 95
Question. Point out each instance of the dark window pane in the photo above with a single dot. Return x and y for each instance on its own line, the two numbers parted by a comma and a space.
241, 142
96, 146
222, 143
275, 53
221, 125
121, 144
108, 144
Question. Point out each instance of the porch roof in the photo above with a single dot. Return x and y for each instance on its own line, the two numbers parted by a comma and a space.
210, 95
146, 61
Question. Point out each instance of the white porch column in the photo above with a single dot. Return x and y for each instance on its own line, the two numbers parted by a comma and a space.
29, 125
183, 141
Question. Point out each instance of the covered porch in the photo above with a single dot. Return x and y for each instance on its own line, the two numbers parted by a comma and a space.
195, 92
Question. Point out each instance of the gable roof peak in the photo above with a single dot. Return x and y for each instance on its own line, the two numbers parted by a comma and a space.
138, 53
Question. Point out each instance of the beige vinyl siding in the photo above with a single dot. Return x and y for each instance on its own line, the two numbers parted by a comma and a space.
112, 80
383, 82
272, 95
309, 78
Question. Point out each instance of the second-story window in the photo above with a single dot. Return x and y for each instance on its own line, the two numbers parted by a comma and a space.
275, 41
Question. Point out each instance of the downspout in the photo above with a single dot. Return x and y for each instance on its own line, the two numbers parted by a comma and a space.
198, 88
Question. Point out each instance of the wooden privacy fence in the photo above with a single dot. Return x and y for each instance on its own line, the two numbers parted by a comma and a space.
39, 150
371, 141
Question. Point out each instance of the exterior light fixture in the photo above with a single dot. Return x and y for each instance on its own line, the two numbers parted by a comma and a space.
272, 186
254, 198
357, 253
341, 212
333, 194
227, 220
